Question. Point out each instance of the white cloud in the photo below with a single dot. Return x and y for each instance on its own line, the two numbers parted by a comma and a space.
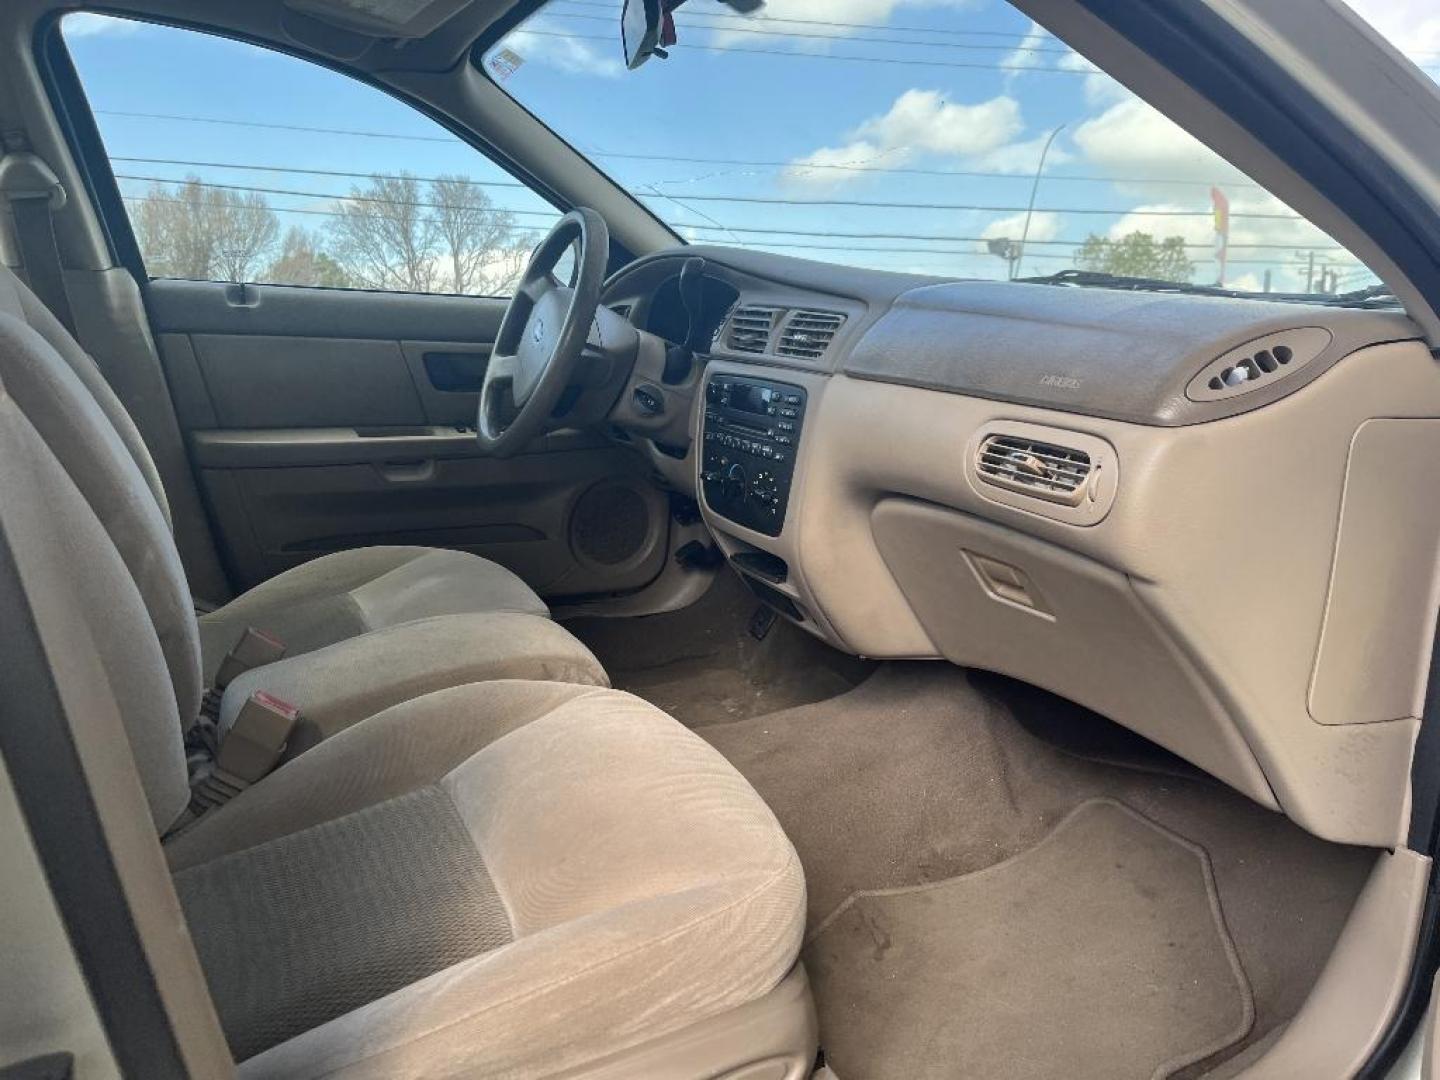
1131, 139
564, 53
1412, 26
1023, 158
918, 122
1044, 225
1024, 55
89, 24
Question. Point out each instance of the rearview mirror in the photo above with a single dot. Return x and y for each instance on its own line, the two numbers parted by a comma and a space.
640, 22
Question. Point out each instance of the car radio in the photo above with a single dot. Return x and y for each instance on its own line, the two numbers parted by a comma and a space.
751, 434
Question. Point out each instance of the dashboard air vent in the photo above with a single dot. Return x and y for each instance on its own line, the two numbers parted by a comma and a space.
750, 328
808, 334
1045, 470
1258, 363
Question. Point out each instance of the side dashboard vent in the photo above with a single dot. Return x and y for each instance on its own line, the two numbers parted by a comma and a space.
1045, 470
808, 334
1258, 363
750, 329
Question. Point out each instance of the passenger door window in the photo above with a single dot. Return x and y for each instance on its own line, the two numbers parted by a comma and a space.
238, 163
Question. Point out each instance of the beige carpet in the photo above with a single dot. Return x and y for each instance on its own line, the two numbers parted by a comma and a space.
926, 772
702, 666
1097, 954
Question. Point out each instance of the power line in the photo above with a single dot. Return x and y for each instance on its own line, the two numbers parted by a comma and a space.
551, 214
792, 35
626, 155
800, 55
825, 22
764, 200
801, 246
278, 127
318, 172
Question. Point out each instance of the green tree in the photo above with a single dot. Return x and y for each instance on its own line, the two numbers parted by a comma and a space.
192, 230
1137, 255
302, 262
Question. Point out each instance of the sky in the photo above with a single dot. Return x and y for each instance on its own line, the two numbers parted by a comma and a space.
899, 134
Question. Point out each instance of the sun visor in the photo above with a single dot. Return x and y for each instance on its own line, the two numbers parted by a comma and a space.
381, 18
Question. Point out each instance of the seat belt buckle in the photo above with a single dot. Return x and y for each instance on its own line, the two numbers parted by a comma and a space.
248, 751
255, 649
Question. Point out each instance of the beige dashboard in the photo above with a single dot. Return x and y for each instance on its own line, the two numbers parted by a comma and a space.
1255, 592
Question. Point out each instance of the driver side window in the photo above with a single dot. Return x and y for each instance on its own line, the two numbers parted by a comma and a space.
237, 163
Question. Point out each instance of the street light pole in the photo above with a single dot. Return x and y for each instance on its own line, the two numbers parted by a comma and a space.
1034, 188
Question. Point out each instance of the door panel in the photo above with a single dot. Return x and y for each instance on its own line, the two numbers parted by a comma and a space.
322, 419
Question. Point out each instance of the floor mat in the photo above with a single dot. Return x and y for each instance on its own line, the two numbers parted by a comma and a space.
1099, 952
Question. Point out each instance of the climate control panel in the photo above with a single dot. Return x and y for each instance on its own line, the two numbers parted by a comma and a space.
750, 436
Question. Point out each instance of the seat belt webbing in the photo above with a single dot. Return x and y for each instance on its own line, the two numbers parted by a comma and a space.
35, 234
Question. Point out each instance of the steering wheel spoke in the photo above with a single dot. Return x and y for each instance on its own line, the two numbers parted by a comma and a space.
500, 366
542, 336
532, 289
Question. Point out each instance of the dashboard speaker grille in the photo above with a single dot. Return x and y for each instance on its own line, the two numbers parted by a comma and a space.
1045, 470
750, 329
808, 334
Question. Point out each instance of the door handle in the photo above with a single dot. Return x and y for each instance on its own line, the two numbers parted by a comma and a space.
407, 470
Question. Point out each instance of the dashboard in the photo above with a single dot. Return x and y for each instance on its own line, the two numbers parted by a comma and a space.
1194, 515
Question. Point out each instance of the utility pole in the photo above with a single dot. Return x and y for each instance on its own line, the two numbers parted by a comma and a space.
1310, 273
1030, 209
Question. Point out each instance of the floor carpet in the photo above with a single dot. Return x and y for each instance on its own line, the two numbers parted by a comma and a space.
925, 772
1100, 947
703, 666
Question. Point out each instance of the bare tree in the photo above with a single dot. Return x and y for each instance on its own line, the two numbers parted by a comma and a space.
245, 231
192, 230
302, 262
483, 248
384, 237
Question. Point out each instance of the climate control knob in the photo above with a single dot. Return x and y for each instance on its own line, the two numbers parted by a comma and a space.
736, 484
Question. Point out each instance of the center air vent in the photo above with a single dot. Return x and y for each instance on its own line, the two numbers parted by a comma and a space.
808, 334
750, 328
1056, 473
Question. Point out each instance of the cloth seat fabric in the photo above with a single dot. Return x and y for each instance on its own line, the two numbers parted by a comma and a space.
341, 684
348, 593
331, 600
505, 878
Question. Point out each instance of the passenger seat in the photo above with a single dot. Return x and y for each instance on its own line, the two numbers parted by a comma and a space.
509, 878
444, 617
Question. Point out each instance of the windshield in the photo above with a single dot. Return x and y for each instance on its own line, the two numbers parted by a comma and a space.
950, 138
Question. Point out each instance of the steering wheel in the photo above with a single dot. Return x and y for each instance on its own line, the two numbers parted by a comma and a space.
542, 335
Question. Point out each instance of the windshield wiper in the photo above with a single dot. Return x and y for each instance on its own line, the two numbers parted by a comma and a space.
1372, 296
1099, 279
1375, 296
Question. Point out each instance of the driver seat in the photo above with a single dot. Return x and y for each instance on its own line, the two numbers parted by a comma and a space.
329, 600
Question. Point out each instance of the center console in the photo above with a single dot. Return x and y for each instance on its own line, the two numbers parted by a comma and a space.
751, 433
